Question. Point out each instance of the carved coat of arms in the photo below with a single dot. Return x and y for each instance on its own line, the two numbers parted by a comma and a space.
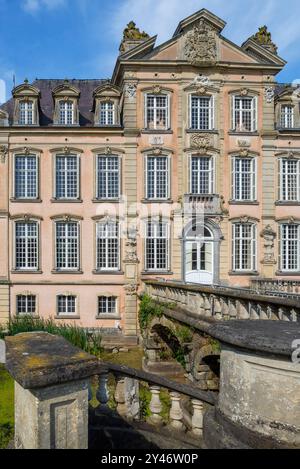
201, 44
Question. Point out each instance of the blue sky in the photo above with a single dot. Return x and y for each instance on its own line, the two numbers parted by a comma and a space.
80, 38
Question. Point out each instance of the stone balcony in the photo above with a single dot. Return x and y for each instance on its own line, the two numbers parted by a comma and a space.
208, 204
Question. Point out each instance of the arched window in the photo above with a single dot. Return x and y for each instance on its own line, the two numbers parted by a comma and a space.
66, 113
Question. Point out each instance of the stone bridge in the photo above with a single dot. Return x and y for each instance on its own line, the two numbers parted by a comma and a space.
178, 334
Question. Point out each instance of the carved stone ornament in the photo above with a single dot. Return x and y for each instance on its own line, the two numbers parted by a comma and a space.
201, 80
291, 221
156, 89
3, 153
130, 90
66, 218
201, 44
157, 151
264, 38
244, 219
269, 235
131, 289
244, 92
244, 152
244, 143
67, 150
131, 252
26, 151
269, 94
201, 141
108, 151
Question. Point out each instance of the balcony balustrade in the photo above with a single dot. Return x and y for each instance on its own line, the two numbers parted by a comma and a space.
209, 204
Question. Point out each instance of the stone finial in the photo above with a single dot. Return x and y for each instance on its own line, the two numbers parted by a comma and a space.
132, 36
264, 38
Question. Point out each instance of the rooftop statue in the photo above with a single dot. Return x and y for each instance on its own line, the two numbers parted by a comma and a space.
131, 32
264, 38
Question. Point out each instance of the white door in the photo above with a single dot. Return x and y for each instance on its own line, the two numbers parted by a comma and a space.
199, 261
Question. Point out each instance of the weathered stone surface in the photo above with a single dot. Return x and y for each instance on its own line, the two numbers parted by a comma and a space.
39, 359
263, 336
2, 351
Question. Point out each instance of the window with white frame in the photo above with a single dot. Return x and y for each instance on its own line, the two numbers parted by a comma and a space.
244, 179
108, 177
287, 116
290, 248
107, 305
26, 304
244, 247
244, 114
26, 113
26, 245
157, 177
108, 246
66, 112
26, 177
66, 305
107, 113
67, 177
157, 246
157, 112
290, 180
67, 245
201, 175
201, 112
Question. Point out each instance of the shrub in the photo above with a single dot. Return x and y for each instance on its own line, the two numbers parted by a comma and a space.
90, 342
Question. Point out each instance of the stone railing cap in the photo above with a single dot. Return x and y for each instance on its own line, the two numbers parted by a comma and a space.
274, 337
40, 359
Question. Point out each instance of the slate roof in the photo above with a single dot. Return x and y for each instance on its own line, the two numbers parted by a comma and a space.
86, 88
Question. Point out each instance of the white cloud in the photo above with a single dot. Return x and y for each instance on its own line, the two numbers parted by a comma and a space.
33, 6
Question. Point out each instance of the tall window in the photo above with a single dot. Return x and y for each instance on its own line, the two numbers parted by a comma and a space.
157, 177
67, 177
26, 245
66, 305
290, 247
66, 112
26, 185
26, 113
67, 245
108, 177
244, 179
202, 113
26, 304
201, 175
157, 112
244, 114
107, 113
107, 305
157, 246
290, 180
287, 116
108, 246
244, 247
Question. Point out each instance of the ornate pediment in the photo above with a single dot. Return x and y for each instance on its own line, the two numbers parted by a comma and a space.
201, 44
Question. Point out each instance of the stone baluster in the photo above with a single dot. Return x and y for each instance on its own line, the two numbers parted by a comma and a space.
102, 393
253, 311
232, 309
176, 414
155, 406
207, 307
224, 308
120, 395
242, 310
217, 309
197, 419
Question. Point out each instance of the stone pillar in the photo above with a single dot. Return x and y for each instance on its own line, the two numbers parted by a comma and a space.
176, 414
51, 391
4, 224
155, 406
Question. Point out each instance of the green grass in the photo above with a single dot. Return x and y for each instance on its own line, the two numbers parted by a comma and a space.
6, 407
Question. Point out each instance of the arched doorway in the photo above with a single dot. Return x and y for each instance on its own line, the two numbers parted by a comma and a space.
201, 254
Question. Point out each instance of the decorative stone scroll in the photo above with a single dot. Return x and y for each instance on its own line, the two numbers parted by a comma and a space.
130, 90
269, 94
269, 235
131, 252
131, 289
3, 153
201, 44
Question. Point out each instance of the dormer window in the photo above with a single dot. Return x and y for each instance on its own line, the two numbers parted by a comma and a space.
287, 116
107, 113
26, 116
26, 105
66, 113
107, 105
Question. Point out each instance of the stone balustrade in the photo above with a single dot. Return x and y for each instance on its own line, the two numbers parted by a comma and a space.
277, 287
222, 303
55, 382
257, 406
207, 204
